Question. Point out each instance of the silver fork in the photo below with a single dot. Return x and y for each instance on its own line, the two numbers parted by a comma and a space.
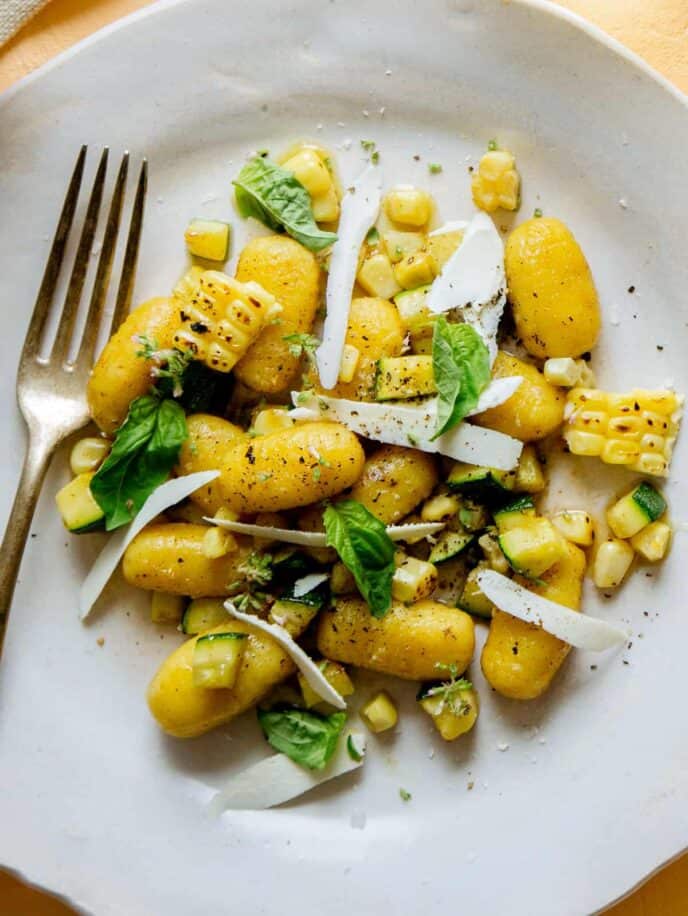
51, 392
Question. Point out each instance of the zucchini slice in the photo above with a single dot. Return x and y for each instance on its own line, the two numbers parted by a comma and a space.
513, 514
532, 547
217, 658
208, 238
413, 312
472, 599
450, 544
204, 614
485, 484
402, 377
293, 615
636, 510
77, 506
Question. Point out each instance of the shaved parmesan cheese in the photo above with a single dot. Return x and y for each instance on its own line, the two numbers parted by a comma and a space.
278, 779
166, 495
456, 225
414, 531
415, 424
496, 393
571, 626
360, 207
315, 679
308, 583
473, 282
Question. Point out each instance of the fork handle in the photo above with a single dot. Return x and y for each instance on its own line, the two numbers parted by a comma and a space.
33, 473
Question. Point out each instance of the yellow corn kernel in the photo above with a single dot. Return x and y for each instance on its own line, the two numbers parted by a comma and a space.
576, 526
612, 562
309, 169
652, 542
562, 371
636, 429
221, 318
496, 183
349, 363
271, 420
88, 454
336, 675
326, 206
167, 608
415, 270
379, 713
218, 542
409, 206
399, 245
376, 276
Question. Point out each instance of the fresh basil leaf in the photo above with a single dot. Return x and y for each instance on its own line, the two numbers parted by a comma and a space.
145, 449
461, 365
365, 548
308, 738
198, 389
273, 196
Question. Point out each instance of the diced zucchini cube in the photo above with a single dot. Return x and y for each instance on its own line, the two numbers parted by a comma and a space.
409, 206
349, 363
167, 608
612, 562
218, 542
413, 579
208, 238
403, 377
450, 544
441, 247
635, 510
217, 659
400, 245
310, 171
486, 484
575, 525
376, 276
653, 541
77, 506
204, 614
529, 475
294, 616
379, 714
514, 514
472, 599
532, 547
415, 270
336, 675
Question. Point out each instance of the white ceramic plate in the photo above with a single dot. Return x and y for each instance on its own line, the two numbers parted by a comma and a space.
588, 793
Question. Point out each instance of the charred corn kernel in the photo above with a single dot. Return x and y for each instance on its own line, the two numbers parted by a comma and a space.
376, 276
271, 420
493, 554
335, 674
208, 238
440, 508
400, 245
637, 430
349, 363
218, 542
612, 562
530, 477
379, 713
413, 579
342, 581
454, 714
222, 317
576, 526
409, 206
562, 371
167, 608
325, 206
636, 510
88, 454
652, 542
496, 183
309, 169
441, 247
415, 270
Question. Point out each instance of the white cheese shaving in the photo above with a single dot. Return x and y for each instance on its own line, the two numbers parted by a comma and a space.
278, 779
359, 210
414, 531
455, 225
315, 679
166, 495
573, 627
414, 425
473, 281
308, 583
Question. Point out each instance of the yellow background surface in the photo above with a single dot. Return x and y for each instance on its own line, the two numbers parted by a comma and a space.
656, 29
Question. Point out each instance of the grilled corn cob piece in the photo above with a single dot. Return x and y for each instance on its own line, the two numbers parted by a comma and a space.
220, 317
637, 429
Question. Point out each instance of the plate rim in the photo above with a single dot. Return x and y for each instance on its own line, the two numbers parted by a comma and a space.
541, 7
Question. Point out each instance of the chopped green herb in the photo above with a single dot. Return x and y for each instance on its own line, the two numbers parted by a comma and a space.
373, 236
256, 568
264, 475
492, 146
537, 213
450, 691
405, 795
317, 473
413, 440
302, 344
434, 168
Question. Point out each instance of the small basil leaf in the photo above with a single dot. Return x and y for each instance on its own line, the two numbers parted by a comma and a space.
461, 366
365, 548
145, 449
306, 737
273, 196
